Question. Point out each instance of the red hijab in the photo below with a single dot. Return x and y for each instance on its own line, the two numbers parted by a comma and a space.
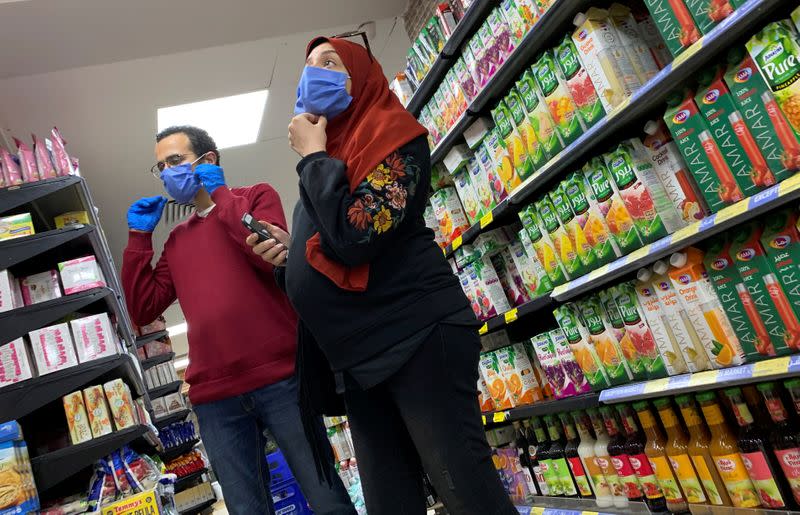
373, 126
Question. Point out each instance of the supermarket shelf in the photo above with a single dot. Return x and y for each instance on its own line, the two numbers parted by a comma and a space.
488, 221
588, 400
452, 136
157, 360
19, 322
567, 506
701, 509
731, 216
514, 314
25, 397
15, 196
18, 250
178, 416
171, 453
429, 84
771, 369
182, 482
200, 508
52, 468
147, 338
166, 389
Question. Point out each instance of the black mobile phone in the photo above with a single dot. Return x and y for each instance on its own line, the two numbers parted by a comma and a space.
256, 227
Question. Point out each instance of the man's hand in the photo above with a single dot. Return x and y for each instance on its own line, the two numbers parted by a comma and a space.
144, 214
307, 134
273, 251
211, 176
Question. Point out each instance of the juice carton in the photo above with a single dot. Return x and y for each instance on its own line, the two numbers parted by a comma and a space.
533, 275
477, 62
691, 347
734, 139
736, 300
488, 291
611, 206
501, 32
781, 241
468, 287
604, 58
492, 52
689, 277
652, 36
516, 22
578, 339
492, 153
655, 315
612, 318
642, 60
574, 228
670, 167
578, 82
589, 219
510, 278
491, 242
554, 373
484, 397
708, 13
433, 224
532, 147
468, 195
515, 166
539, 115
768, 124
567, 358
77, 420
675, 23
563, 244
637, 330
490, 371
449, 213
543, 246
97, 409
590, 311
700, 151
465, 78
481, 185
440, 177
646, 172
518, 374
555, 95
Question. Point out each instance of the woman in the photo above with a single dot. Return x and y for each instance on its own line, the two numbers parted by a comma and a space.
378, 304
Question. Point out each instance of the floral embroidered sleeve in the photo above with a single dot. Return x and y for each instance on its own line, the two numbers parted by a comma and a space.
355, 226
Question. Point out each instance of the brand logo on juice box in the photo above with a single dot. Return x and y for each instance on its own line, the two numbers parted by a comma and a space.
774, 51
684, 279
780, 242
746, 254
582, 34
711, 96
726, 465
681, 116
791, 458
635, 463
647, 292
743, 75
719, 264
616, 163
663, 286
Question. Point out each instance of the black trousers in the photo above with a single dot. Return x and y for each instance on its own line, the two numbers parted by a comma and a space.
427, 416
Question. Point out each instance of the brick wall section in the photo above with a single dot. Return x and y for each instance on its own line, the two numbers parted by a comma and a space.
417, 14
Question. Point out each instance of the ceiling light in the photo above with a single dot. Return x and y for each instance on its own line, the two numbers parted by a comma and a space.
177, 329
231, 121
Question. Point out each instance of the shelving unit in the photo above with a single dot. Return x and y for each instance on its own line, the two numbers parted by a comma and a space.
171, 453
188, 480
141, 341
163, 422
157, 360
167, 389
540, 409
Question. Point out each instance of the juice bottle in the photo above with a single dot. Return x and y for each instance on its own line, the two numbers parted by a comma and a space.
603, 459
588, 215
676, 448
785, 439
535, 437
612, 318
699, 450
762, 467
558, 460
590, 312
523, 448
727, 458
563, 244
619, 456
543, 246
572, 225
635, 447
579, 473
637, 329
554, 486
655, 450
586, 452
611, 206
584, 352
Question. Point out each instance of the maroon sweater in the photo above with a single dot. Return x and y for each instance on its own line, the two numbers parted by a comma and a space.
241, 325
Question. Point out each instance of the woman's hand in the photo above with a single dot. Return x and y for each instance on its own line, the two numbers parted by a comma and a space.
307, 134
273, 251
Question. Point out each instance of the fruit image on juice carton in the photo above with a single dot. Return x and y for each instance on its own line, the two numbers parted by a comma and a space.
655, 315
584, 352
563, 244
689, 277
574, 229
567, 358
449, 213
708, 13
675, 23
501, 32
555, 95
637, 330
604, 58
701, 153
468, 196
481, 185
761, 280
488, 290
465, 79
612, 318
513, 163
639, 55
646, 173
781, 241
590, 220
533, 275
737, 301
516, 22
539, 115
734, 139
518, 374
590, 311
543, 245
490, 371
578, 82
510, 278
534, 151
689, 342
492, 53
611, 206
768, 124
670, 167
485, 400
492, 153
554, 373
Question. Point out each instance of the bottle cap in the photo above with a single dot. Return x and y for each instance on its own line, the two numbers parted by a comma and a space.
661, 403
640, 405
765, 387
651, 127
705, 396
579, 19
678, 259
733, 391
792, 383
660, 267
644, 274
683, 399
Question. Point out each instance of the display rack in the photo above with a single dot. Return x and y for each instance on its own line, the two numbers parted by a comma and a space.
541, 409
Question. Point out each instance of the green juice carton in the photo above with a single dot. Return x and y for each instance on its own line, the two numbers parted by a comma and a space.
567, 359
781, 241
574, 229
774, 136
760, 278
556, 97
675, 23
704, 158
543, 246
533, 148
582, 350
613, 320
539, 115
736, 300
490, 154
564, 245
611, 206
591, 221
468, 196
734, 139
578, 82
708, 13
481, 184
637, 330
590, 311
523, 253
513, 162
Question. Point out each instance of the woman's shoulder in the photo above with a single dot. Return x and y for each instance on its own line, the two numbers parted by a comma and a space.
414, 152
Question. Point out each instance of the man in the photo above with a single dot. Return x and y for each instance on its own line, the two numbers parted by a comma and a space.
241, 326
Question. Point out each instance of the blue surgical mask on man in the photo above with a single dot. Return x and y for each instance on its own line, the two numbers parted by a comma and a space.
322, 92
181, 182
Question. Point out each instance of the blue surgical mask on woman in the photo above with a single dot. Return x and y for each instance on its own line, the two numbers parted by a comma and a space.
180, 181
322, 92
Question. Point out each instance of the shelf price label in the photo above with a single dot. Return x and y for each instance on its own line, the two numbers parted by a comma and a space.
510, 315
771, 367
457, 242
686, 54
484, 328
537, 510
500, 416
703, 378
790, 184
486, 219
689, 230
732, 211
483, 417
657, 385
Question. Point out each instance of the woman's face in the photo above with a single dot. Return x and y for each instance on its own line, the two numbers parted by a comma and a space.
324, 56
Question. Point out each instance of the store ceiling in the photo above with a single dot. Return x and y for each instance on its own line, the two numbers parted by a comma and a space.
47, 35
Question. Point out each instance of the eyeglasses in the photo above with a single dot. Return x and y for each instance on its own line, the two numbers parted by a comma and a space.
354, 33
169, 162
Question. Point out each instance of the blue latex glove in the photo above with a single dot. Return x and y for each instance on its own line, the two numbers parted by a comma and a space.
211, 176
144, 214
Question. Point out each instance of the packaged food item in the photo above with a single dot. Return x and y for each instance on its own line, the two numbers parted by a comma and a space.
94, 337
562, 243
40, 287
121, 403
675, 23
492, 58
518, 373
584, 352
646, 172
478, 130
79, 429
574, 229
504, 43
534, 151
16, 226
612, 319
15, 363
16, 477
611, 206
97, 410
708, 13
539, 115
781, 241
490, 371
61, 159
513, 162
11, 174
636, 328
71, 218
477, 62
27, 162
175, 402
44, 162
652, 36
491, 242
517, 24
543, 246
10, 295
510, 278
491, 154
554, 373
465, 77
574, 372
578, 82
636, 49
589, 219
52, 348
533, 274
485, 400
468, 196
590, 311
488, 291
555, 95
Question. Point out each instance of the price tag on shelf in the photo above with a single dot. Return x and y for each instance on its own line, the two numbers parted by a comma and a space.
589, 513
599, 272
657, 385
638, 253
686, 54
703, 378
444, 251
483, 417
731, 211
790, 184
620, 107
764, 197
689, 230
457, 242
510, 315
500, 416
537, 510
486, 219
771, 367
559, 290
484, 328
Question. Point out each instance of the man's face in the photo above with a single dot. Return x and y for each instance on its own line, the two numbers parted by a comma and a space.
177, 149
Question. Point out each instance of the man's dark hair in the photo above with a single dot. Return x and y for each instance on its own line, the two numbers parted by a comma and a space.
201, 142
